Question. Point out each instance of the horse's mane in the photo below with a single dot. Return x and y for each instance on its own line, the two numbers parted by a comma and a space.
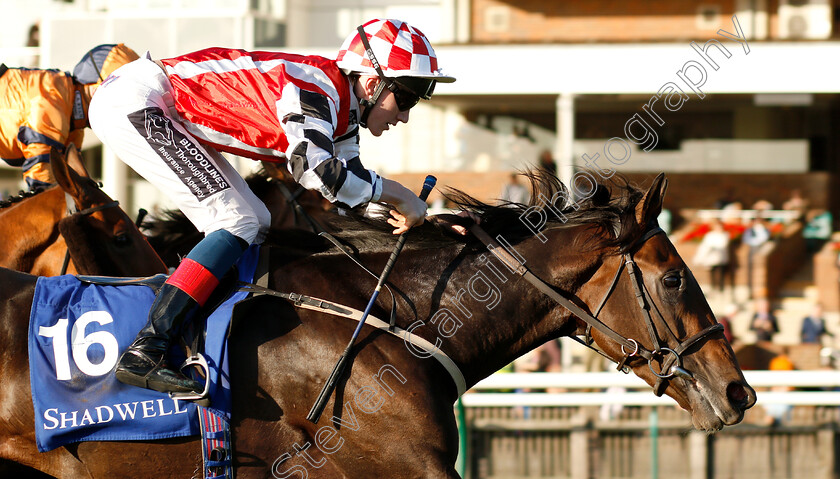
22, 195
610, 208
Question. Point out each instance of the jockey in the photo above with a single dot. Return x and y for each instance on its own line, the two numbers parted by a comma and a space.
169, 119
45, 109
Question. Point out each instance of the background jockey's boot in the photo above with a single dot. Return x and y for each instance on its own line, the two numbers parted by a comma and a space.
144, 363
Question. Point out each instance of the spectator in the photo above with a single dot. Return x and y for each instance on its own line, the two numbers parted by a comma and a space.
817, 229
796, 202
763, 321
778, 413
755, 235
728, 201
813, 326
544, 358
33, 38
726, 320
514, 191
713, 254
762, 205
610, 412
781, 362
547, 162
665, 220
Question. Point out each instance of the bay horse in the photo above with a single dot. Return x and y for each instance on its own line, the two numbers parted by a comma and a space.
38, 233
391, 415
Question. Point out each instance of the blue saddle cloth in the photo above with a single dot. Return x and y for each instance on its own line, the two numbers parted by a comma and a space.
76, 334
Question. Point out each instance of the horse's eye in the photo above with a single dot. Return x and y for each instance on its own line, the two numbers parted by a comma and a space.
672, 281
122, 240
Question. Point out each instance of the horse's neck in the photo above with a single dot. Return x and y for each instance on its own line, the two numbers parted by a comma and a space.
27, 227
490, 314
482, 314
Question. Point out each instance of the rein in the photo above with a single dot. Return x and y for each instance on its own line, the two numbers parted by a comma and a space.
72, 210
298, 210
630, 347
328, 307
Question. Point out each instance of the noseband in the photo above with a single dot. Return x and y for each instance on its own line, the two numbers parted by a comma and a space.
72, 210
630, 348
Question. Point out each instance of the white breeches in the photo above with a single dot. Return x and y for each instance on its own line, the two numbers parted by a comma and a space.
133, 113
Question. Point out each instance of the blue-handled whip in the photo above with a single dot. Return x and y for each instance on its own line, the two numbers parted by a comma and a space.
318, 408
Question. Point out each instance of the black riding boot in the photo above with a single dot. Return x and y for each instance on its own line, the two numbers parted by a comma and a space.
144, 363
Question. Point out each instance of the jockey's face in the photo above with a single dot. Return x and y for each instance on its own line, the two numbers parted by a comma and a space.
384, 113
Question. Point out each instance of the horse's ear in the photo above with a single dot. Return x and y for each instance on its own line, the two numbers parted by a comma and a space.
74, 160
648, 209
66, 176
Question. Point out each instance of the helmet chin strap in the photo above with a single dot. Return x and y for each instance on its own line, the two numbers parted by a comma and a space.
383, 80
369, 103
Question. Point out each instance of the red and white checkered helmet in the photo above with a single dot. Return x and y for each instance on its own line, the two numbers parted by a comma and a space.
400, 49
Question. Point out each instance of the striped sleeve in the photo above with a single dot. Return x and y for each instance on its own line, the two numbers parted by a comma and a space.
316, 160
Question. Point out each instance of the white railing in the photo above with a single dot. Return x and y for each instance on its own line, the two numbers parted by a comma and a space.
638, 392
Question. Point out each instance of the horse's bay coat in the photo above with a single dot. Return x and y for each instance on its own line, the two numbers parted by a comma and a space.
391, 415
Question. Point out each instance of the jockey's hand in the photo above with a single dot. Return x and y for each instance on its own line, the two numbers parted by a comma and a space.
410, 210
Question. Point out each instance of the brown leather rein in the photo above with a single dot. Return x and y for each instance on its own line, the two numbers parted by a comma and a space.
672, 357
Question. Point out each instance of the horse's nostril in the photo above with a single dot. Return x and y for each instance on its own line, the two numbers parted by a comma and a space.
741, 396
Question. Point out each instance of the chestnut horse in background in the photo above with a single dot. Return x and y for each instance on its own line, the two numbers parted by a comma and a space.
391, 415
38, 231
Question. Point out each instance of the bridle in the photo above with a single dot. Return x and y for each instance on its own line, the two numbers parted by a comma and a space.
630, 348
72, 211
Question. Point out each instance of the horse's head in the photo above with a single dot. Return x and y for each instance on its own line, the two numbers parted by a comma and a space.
666, 331
101, 238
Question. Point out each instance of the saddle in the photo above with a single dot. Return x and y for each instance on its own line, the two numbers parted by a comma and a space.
106, 313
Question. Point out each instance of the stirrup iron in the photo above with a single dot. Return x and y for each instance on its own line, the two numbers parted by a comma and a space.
199, 361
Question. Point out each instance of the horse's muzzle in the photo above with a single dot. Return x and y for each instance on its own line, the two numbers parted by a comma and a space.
741, 396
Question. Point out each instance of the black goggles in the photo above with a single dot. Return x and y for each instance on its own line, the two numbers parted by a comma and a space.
408, 91
405, 99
